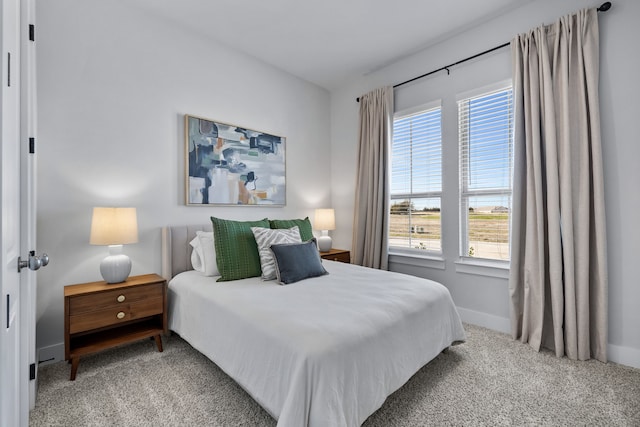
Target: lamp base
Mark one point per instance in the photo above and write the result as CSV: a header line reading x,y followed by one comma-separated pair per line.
x,y
324,242
116,267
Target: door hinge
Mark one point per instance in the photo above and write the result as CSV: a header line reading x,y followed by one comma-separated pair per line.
x,y
32,371
32,32
32,145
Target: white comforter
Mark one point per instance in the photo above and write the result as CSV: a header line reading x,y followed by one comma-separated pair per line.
x,y
323,352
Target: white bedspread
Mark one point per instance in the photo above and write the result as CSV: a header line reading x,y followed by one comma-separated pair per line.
x,y
323,352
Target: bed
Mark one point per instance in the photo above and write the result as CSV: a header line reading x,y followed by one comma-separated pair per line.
x,y
325,351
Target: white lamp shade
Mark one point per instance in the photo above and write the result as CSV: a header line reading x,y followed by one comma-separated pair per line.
x,y
114,226
325,219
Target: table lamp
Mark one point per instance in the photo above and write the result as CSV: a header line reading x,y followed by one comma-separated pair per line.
x,y
325,220
114,227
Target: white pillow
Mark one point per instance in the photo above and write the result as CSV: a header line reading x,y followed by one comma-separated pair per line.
x,y
196,255
203,256
265,237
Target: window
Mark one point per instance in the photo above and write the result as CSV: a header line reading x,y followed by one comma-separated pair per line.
x,y
485,133
416,180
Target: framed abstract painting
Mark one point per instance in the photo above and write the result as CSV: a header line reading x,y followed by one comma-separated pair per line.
x,y
232,165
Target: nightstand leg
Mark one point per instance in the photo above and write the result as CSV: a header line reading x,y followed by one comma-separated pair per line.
x,y
75,361
158,342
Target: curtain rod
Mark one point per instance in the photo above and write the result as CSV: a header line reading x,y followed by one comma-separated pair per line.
x,y
603,8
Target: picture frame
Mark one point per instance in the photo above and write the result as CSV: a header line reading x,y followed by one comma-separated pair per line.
x,y
231,165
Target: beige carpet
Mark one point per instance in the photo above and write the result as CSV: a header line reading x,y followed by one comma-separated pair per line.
x,y
490,380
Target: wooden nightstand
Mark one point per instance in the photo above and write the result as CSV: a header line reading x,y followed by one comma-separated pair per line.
x,y
337,255
99,315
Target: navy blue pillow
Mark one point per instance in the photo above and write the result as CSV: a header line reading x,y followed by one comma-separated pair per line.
x,y
297,261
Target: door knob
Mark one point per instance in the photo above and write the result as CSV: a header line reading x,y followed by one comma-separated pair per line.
x,y
33,262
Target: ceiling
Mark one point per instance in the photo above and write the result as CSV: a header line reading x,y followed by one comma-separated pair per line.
x,y
328,42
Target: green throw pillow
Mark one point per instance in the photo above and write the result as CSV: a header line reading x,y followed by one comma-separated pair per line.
x,y
237,254
306,232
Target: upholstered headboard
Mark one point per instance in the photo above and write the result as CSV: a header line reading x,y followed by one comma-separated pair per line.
x,y
176,250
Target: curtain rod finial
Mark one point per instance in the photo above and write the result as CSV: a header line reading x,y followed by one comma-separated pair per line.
x,y
604,6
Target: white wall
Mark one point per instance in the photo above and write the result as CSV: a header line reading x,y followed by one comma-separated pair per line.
x,y
113,86
484,300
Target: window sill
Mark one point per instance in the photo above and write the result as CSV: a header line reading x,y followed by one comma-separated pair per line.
x,y
483,267
430,261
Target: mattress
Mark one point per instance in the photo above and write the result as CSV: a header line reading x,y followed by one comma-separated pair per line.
x,y
325,351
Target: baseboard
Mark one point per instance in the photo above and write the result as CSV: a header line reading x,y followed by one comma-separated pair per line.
x,y
50,354
489,321
617,354
624,355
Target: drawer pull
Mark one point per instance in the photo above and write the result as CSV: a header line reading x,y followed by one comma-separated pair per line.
x,y
120,315
121,298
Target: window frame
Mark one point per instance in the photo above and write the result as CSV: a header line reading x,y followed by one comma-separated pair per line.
x,y
414,252
466,263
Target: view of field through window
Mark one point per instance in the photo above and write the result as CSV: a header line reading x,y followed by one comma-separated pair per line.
x,y
420,229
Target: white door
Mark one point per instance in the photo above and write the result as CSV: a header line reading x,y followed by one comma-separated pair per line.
x,y
10,232
17,195
28,285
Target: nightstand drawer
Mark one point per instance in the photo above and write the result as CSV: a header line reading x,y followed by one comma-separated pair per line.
x,y
339,255
115,298
113,315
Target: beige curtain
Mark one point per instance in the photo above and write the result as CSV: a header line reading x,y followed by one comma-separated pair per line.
x,y
370,219
558,279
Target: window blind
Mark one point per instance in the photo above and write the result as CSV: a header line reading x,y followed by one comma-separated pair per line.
x,y
485,131
417,153
416,180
